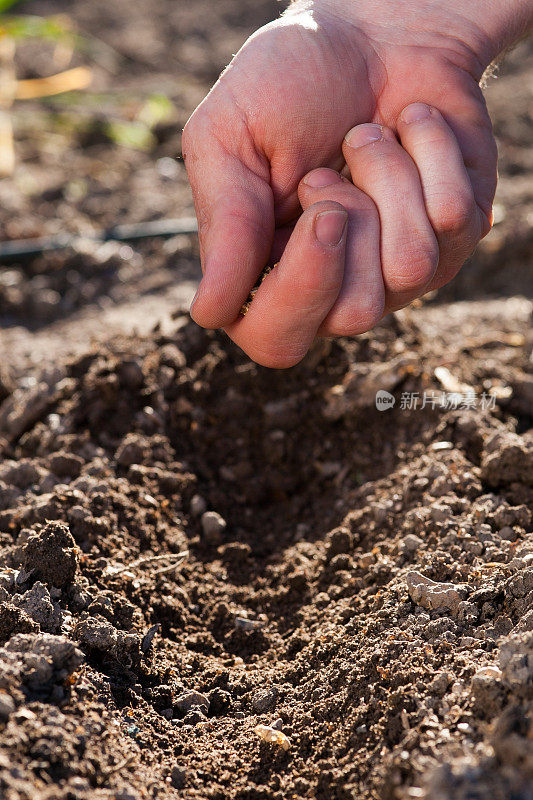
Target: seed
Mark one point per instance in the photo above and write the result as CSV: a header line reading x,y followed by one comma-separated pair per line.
x,y
272,736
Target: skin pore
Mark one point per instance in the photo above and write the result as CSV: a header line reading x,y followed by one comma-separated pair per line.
x,y
350,142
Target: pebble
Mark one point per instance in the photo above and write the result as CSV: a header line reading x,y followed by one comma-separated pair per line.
x,y
66,465
411,543
488,673
273,736
432,595
213,527
191,699
263,700
198,505
7,706
440,683
249,624
178,777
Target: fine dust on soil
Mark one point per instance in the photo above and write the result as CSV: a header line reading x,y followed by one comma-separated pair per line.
x,y
192,545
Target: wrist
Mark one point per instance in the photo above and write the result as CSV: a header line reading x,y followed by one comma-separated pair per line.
x,y
501,23
483,28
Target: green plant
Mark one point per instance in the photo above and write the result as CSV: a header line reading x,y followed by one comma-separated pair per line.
x,y
12,30
5,4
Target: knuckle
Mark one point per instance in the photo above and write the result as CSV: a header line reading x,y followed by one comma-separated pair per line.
x,y
415,268
358,317
386,160
456,215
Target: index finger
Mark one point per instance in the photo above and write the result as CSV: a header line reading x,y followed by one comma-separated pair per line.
x,y
235,209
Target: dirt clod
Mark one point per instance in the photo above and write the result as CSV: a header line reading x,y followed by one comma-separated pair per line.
x,y
51,555
432,595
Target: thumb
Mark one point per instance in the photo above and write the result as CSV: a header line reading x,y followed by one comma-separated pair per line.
x,y
235,209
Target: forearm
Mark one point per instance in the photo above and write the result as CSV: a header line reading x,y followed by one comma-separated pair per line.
x,y
486,27
502,22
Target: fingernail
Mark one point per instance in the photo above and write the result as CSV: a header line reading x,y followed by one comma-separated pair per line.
x,y
321,177
329,227
364,134
415,112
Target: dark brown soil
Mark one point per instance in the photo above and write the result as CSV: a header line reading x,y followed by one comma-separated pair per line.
x,y
191,545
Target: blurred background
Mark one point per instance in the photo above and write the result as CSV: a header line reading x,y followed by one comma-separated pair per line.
x,y
109,154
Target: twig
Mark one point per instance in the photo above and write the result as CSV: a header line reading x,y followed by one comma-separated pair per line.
x,y
176,558
69,81
106,773
26,248
8,85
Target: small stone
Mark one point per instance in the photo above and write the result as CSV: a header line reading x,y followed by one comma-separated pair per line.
x,y
264,700
488,673
66,465
432,595
508,534
411,543
178,777
440,683
272,736
51,554
213,527
246,624
7,706
191,699
198,505
131,451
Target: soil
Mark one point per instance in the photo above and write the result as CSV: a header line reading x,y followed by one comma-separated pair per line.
x,y
192,546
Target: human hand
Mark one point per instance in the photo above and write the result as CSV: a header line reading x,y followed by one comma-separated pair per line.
x,y
421,190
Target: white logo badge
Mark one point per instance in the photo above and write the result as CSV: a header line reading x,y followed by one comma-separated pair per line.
x,y
384,400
